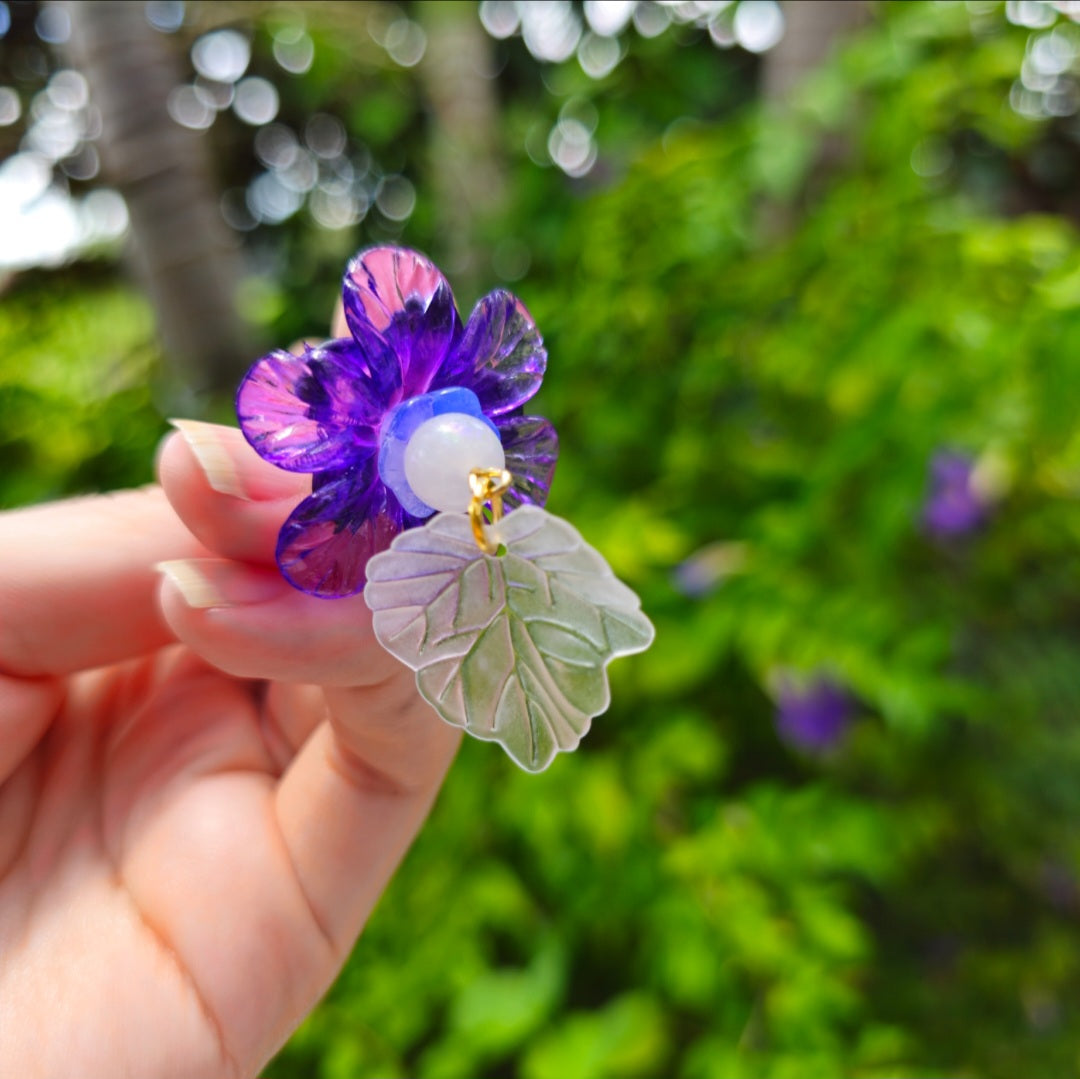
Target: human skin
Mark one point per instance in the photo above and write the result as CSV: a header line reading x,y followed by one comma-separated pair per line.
x,y
206,777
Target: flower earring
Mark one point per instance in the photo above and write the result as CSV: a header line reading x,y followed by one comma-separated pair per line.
x,y
414,432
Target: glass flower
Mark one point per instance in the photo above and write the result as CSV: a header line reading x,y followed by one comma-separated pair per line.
x,y
345,411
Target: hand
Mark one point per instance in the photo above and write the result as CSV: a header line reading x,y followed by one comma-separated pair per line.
x,y
191,834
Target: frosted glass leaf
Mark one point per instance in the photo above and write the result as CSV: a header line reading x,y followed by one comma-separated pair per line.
x,y
513,648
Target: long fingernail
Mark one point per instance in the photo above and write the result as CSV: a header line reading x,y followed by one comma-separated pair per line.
x,y
213,457
206,582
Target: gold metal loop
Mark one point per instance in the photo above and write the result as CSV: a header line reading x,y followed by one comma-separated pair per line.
x,y
487,485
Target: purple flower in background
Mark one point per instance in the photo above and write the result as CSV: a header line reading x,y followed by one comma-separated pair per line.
x,y
708,567
813,716
346,411
954,506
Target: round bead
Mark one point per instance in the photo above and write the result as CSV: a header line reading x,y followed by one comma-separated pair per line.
x,y
442,452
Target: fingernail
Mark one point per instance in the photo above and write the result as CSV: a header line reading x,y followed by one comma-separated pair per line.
x,y
205,582
213,456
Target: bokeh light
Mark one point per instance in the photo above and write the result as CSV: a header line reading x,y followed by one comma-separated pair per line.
x,y
325,135
222,55
188,108
271,200
598,56
165,15
41,225
1031,13
651,19
609,18
405,41
294,49
276,146
500,18
551,29
572,147
10,106
758,24
396,198
53,24
256,101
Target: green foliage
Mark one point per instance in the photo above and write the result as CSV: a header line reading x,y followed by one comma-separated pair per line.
x,y
74,393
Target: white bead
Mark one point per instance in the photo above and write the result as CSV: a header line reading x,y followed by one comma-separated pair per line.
x,y
441,453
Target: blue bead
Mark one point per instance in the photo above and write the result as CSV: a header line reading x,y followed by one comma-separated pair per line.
x,y
402,422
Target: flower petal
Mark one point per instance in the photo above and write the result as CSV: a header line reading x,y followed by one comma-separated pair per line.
x,y
324,546
532,449
381,364
401,297
501,356
311,412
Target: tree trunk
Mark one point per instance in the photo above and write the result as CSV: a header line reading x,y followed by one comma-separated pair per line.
x,y
464,170
181,247
812,29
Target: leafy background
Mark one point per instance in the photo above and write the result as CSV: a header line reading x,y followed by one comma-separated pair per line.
x,y
767,321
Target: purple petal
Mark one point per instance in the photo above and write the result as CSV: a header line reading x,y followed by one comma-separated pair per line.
x,y
381,364
501,357
311,412
532,448
403,299
324,546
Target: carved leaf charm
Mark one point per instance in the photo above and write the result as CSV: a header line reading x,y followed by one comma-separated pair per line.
x,y
514,648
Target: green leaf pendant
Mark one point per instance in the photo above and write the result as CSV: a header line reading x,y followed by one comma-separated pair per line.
x,y
512,647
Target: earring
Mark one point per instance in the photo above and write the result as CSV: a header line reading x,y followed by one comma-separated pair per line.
x,y
413,431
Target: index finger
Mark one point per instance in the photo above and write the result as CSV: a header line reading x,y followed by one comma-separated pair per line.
x,y
77,584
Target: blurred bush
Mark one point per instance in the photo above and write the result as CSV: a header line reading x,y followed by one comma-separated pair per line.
x,y
75,367
815,371
765,343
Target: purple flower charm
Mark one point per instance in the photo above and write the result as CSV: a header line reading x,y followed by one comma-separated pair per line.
x,y
812,716
953,506
390,420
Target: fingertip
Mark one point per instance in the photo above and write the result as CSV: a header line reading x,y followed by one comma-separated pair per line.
x,y
226,462
338,326
204,583
298,348
164,453
249,622
226,495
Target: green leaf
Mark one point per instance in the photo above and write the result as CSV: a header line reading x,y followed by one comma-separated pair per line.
x,y
627,1038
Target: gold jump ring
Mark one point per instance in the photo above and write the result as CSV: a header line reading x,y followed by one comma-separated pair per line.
x,y
487,485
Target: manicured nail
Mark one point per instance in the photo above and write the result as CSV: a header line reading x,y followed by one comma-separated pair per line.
x,y
213,457
208,582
